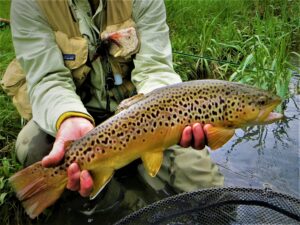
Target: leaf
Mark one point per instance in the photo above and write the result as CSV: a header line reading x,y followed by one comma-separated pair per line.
x,y
2,197
2,182
248,61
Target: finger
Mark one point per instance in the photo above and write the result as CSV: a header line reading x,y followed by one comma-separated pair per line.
x,y
199,137
86,183
73,177
56,155
186,137
205,129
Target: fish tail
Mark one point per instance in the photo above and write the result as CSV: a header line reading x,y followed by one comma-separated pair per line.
x,y
38,187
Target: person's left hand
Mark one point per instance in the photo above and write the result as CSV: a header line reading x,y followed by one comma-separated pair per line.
x,y
194,136
71,129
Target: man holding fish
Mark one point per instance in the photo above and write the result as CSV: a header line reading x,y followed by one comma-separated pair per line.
x,y
81,60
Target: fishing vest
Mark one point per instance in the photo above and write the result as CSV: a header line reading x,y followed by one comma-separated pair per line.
x,y
117,21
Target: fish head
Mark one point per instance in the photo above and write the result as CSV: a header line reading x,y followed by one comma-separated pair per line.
x,y
251,106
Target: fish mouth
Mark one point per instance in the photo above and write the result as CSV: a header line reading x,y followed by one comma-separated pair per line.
x,y
266,114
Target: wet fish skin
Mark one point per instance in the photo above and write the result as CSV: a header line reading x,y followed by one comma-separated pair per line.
x,y
144,128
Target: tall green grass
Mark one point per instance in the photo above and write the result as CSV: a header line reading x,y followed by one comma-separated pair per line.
x,y
250,40
10,123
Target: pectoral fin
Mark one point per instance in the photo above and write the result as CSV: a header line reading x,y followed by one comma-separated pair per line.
x,y
100,179
218,136
152,162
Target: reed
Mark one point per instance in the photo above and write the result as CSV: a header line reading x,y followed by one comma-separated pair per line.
x,y
251,41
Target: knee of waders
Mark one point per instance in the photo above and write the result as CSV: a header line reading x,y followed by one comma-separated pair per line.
x,y
193,169
186,169
32,144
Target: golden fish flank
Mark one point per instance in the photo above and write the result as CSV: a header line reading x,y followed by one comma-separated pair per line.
x,y
144,128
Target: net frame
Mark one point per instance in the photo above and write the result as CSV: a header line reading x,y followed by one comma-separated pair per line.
x,y
226,205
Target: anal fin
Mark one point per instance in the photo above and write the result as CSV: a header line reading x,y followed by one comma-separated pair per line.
x,y
100,179
152,161
218,136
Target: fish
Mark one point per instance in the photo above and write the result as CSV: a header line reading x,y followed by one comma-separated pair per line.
x,y
143,127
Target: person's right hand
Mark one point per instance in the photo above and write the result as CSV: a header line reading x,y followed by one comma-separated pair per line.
x,y
194,136
71,129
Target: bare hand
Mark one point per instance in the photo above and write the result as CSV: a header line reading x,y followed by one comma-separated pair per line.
x,y
194,136
71,129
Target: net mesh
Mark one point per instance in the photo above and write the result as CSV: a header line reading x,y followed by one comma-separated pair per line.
x,y
220,206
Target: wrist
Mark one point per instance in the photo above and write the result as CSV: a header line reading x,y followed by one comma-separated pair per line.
x,y
67,115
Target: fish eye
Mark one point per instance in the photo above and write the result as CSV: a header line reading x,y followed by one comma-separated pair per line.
x,y
262,100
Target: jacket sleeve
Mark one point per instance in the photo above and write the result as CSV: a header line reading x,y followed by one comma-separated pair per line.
x,y
50,85
153,63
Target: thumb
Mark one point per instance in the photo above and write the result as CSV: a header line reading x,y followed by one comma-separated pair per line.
x,y
56,155
71,129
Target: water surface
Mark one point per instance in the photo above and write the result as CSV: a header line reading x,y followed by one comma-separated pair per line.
x,y
266,155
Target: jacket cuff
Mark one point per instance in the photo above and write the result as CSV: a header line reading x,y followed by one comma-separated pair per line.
x,y
66,115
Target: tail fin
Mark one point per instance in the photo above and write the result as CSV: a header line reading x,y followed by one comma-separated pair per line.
x,y
38,187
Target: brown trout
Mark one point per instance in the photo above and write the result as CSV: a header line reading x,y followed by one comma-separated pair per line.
x,y
143,128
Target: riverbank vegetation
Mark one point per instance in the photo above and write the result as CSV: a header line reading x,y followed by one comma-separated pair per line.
x,y
246,41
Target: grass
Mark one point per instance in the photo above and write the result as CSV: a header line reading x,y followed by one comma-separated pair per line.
x,y
10,123
249,41
252,41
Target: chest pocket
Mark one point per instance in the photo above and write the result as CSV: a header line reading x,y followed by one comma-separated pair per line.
x,y
75,55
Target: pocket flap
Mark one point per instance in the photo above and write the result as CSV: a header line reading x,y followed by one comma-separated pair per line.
x,y
75,49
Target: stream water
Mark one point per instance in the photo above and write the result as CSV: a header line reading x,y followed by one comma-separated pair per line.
x,y
266,155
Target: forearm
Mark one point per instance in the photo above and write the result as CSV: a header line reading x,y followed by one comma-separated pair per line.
x,y
153,63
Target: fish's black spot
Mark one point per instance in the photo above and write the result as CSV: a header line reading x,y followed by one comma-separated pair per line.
x,y
87,150
105,141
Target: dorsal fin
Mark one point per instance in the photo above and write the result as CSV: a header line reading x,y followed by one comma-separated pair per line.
x,y
129,101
